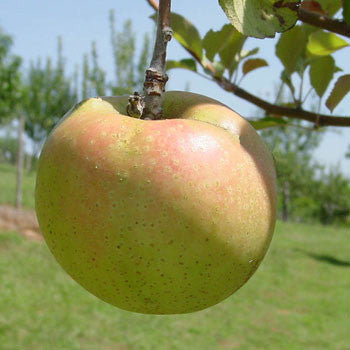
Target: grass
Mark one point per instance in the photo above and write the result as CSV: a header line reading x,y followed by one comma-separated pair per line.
x,y
298,299
8,186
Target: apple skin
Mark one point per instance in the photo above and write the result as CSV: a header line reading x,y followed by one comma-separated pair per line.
x,y
157,217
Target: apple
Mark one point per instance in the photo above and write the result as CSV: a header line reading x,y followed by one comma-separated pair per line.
x,y
157,216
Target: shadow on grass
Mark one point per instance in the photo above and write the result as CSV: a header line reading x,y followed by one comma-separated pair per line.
x,y
326,258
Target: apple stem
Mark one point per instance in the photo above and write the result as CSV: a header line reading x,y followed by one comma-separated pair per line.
x,y
156,78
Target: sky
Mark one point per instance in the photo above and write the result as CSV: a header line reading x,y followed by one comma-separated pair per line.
x,y
36,24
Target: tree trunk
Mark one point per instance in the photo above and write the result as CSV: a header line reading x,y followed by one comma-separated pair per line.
x,y
285,200
20,156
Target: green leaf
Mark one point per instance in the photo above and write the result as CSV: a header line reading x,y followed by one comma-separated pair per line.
x,y
258,18
324,43
187,63
290,48
341,88
321,73
267,122
214,41
252,64
246,53
331,7
346,11
186,34
229,54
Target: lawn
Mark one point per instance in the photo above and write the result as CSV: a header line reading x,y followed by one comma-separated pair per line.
x,y
8,186
298,299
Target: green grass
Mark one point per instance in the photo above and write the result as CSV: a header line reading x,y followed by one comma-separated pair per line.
x,y
298,299
8,186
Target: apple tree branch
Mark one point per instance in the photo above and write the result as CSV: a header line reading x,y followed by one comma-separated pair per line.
x,y
277,110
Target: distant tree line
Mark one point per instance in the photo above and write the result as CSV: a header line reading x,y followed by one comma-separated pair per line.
x,y
307,190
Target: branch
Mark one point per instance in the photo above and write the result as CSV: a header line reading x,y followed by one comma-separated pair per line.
x,y
156,78
297,113
324,22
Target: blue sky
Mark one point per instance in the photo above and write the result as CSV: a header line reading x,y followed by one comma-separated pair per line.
x,y
36,24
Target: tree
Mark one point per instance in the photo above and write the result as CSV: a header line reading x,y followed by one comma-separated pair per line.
x,y
8,149
10,78
305,50
292,147
129,75
129,71
47,96
333,195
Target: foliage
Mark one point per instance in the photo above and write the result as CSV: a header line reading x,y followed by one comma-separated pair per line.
x,y
259,19
47,95
10,78
307,191
306,50
129,71
129,75
8,149
333,195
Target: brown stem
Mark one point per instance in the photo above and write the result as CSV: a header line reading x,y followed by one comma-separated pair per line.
x,y
156,78
297,113
324,22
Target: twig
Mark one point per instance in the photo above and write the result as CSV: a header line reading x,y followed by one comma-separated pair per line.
x,y
296,113
156,78
324,22
316,19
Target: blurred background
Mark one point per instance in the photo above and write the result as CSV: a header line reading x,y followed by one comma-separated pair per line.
x,y
54,54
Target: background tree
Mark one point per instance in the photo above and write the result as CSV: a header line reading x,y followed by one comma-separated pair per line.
x,y
292,147
10,78
129,73
129,69
47,96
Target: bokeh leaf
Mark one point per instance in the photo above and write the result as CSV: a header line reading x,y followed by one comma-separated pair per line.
x,y
288,81
341,88
331,7
214,41
323,43
267,122
312,5
346,11
187,63
186,34
229,54
252,64
258,18
290,48
247,53
322,70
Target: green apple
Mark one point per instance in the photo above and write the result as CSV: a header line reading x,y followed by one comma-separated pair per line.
x,y
158,217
